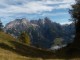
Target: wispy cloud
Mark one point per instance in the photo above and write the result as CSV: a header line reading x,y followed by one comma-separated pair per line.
x,y
13,7
25,6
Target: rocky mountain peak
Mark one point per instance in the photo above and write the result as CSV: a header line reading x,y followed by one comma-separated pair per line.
x,y
20,23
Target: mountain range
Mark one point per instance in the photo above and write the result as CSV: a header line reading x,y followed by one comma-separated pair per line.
x,y
42,32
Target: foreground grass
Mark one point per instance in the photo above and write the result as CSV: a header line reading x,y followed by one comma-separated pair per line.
x,y
8,55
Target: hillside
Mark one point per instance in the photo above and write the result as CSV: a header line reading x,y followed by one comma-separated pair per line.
x,y
11,49
7,51
5,38
8,55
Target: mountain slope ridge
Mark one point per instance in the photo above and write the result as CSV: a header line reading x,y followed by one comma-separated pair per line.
x,y
42,32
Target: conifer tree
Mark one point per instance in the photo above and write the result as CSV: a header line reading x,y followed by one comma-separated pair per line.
x,y
1,26
75,14
24,38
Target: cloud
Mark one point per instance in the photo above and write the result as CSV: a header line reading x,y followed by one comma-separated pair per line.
x,y
67,22
58,1
26,6
59,4
12,8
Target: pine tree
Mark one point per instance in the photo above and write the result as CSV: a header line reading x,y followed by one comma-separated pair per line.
x,y
75,14
1,26
24,38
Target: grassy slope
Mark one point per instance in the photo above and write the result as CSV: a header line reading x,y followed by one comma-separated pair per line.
x,y
12,50
5,38
6,54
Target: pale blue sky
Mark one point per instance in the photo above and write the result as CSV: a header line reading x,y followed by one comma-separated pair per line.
x,y
56,10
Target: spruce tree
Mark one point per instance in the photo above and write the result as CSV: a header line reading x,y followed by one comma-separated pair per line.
x,y
1,26
75,14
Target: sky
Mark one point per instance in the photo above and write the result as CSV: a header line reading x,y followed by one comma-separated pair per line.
x,y
56,10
